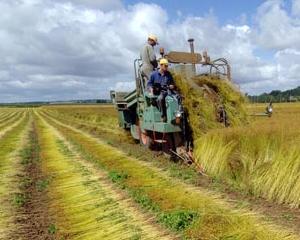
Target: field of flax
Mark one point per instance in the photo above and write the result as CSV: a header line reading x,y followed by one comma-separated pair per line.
x,y
261,158
62,177
49,191
194,214
14,124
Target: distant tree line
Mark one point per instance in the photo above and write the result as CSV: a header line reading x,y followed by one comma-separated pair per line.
x,y
292,95
38,104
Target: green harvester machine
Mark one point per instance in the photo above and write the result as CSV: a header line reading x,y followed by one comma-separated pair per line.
x,y
138,111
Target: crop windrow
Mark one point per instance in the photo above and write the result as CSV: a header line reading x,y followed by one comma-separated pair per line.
x,y
215,151
107,131
82,204
10,144
193,214
262,160
4,117
11,122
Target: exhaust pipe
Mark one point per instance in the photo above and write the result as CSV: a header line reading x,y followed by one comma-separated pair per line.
x,y
191,41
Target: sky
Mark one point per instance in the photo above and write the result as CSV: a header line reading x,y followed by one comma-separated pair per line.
x,y
81,49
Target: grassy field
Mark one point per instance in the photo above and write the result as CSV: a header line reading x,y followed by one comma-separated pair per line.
x,y
69,172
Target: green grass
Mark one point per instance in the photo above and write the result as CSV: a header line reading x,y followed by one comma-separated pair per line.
x,y
19,199
42,184
52,229
178,220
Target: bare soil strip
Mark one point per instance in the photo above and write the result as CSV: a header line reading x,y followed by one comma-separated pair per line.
x,y
32,218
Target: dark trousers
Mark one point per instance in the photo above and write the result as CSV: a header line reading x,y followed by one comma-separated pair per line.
x,y
161,103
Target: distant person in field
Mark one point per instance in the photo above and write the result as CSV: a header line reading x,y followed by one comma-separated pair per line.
x,y
149,62
160,83
269,109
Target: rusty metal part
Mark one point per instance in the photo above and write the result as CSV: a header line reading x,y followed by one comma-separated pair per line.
x,y
177,120
188,158
220,66
191,41
184,57
192,48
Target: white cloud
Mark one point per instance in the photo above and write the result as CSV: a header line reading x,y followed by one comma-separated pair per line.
x,y
121,86
288,67
276,28
103,5
279,31
74,49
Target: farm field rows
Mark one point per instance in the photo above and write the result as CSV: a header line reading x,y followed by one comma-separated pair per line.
x,y
248,158
69,172
41,199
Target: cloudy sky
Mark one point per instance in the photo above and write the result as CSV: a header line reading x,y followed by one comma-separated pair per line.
x,y
61,49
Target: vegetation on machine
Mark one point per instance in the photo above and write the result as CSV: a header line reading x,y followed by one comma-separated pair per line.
x,y
212,103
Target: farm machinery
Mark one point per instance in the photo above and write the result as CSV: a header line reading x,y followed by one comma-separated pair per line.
x,y
138,111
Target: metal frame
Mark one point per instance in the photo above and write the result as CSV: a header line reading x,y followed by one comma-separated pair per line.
x,y
138,76
221,63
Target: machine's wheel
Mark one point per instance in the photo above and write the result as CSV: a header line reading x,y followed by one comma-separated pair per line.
x,y
146,140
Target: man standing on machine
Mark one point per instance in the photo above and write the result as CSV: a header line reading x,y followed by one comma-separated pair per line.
x,y
149,62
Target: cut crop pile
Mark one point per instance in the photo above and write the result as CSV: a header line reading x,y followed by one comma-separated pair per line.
x,y
255,158
203,95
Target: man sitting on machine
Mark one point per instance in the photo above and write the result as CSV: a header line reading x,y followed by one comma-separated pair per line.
x,y
160,82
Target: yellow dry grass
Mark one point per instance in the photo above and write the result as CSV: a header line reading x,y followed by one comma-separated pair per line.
x,y
259,155
216,219
9,147
262,158
202,97
84,207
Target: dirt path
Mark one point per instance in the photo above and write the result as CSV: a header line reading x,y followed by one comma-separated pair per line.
x,y
85,204
32,219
